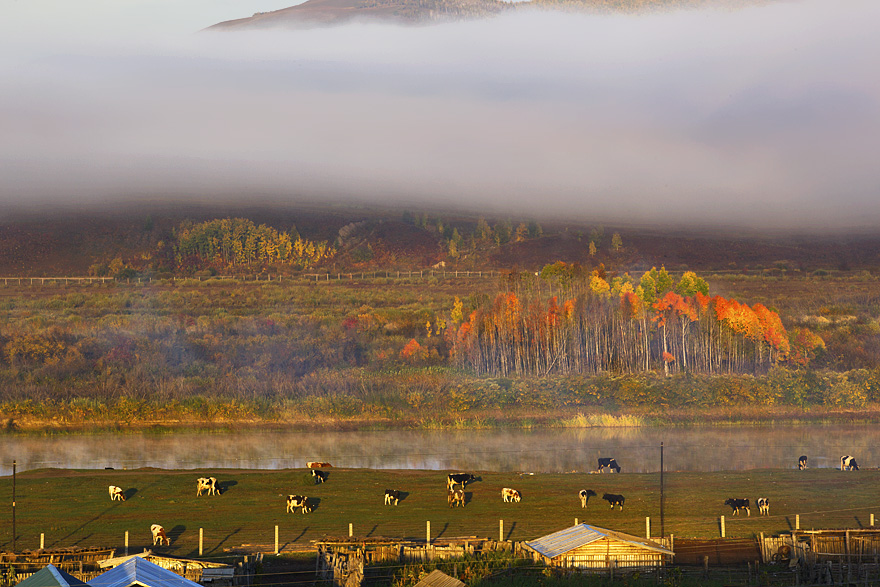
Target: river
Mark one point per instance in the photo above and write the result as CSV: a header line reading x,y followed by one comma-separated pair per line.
x,y
530,450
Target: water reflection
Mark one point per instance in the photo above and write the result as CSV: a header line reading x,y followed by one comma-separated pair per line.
x,y
546,450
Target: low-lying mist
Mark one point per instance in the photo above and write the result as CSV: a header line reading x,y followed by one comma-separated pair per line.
x,y
765,117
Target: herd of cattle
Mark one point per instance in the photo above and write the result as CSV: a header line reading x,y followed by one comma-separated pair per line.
x,y
455,486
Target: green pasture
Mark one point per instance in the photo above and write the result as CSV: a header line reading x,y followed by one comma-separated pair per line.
x,y
73,508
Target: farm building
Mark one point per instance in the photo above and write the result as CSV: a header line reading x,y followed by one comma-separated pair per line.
x,y
200,571
52,576
591,548
142,573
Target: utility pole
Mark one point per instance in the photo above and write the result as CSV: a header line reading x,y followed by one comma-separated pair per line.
x,y
662,497
13,507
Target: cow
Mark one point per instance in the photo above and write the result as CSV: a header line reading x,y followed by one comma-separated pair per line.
x,y
608,464
298,501
116,493
318,465
458,479
848,463
208,484
763,506
614,500
159,536
455,497
802,462
510,495
320,476
392,495
585,495
738,504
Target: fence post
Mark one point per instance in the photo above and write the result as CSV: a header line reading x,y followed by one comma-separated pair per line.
x,y
648,527
575,521
42,541
500,530
126,543
723,531
872,519
350,529
276,540
201,540
428,532
797,521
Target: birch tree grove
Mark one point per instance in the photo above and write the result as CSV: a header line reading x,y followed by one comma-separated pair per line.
x,y
602,327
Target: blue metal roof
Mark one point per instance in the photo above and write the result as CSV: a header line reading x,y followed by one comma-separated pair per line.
x,y
563,541
137,571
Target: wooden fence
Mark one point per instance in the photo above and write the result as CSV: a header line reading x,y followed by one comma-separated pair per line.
x,y
307,277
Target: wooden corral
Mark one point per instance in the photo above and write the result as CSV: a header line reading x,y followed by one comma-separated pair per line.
x,y
590,548
716,551
344,563
82,563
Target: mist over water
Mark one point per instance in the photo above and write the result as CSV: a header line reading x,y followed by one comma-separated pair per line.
x,y
637,450
767,116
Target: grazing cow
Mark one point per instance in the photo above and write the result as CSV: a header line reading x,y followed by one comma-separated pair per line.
x,y
802,462
116,493
318,465
455,497
392,495
159,536
585,495
320,476
208,484
458,478
848,463
614,500
510,495
763,506
738,504
298,501
608,464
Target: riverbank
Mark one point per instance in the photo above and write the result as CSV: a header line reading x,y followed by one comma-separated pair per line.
x,y
157,417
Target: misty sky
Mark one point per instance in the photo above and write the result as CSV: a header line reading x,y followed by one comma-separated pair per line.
x,y
768,116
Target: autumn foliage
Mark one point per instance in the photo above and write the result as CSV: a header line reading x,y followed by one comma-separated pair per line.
x,y
615,327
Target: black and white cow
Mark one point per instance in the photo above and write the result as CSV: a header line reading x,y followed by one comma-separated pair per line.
x,y
585,495
298,501
608,464
456,497
462,479
510,495
208,484
848,463
319,476
614,500
392,495
763,506
802,463
738,504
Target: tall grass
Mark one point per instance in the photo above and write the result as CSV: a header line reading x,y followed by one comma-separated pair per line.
x,y
603,421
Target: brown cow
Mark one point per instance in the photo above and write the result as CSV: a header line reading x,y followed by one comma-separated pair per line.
x,y
159,536
318,465
116,493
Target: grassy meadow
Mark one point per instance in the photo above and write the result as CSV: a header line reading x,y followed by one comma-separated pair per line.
x,y
72,508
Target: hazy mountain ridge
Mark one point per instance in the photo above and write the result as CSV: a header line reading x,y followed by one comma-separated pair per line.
x,y
332,12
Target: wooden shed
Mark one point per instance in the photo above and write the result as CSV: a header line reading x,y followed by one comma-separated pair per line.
x,y
591,548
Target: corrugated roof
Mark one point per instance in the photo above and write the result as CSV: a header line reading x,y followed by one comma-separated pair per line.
x,y
438,578
563,541
52,576
138,571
